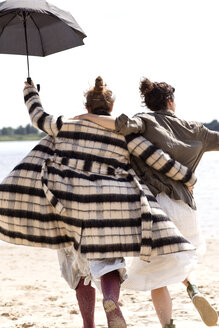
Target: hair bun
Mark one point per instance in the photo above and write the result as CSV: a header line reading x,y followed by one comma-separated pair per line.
x,y
146,86
99,86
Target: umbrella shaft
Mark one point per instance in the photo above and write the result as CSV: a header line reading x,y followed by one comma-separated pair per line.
x,y
26,42
28,68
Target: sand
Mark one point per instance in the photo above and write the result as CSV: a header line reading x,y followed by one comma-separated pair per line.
x,y
33,294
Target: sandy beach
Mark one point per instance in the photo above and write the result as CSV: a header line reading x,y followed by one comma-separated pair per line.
x,y
33,294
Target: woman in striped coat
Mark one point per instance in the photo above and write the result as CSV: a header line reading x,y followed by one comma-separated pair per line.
x,y
76,188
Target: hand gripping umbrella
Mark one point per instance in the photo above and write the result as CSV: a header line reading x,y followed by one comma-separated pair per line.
x,y
36,28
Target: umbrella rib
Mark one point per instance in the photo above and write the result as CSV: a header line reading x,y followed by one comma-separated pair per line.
x,y
39,35
7,24
4,14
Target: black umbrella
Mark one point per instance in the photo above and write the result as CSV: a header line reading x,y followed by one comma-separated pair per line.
x,y
36,28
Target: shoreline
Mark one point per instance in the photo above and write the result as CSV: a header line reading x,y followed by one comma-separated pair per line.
x,y
20,138
33,294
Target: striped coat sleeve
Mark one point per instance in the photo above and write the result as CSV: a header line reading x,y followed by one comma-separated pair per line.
x,y
160,161
40,119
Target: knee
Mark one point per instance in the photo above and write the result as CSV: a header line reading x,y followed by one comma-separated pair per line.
x,y
161,290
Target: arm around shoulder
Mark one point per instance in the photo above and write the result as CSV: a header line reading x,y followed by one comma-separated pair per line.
x,y
125,125
158,160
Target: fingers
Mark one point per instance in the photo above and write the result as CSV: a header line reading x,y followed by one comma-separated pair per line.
x,y
74,118
191,189
78,117
29,85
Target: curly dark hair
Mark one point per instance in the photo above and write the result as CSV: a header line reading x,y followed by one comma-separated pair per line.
x,y
156,94
99,97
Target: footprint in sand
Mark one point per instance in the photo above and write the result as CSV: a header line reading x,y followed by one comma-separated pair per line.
x,y
74,311
7,304
5,314
62,305
7,279
12,316
52,298
29,287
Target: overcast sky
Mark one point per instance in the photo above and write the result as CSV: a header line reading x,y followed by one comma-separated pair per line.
x,y
175,41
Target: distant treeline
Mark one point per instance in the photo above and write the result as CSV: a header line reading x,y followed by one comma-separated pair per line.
x,y
30,130
20,131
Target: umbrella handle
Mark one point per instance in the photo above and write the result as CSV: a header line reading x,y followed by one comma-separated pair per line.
x,y
29,82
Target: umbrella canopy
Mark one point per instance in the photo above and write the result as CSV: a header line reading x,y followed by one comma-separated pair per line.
x,y
49,29
37,28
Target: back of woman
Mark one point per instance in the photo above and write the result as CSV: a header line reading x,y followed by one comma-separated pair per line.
x,y
186,141
74,184
86,141
77,188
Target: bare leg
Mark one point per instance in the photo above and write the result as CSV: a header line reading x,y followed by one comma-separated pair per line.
x,y
163,305
86,300
110,284
186,282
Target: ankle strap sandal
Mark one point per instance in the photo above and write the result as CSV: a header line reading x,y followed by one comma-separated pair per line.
x,y
208,314
170,325
192,290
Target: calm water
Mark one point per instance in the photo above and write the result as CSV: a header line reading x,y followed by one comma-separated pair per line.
x,y
206,191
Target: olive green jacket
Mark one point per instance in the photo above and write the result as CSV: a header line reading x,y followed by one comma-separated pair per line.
x,y
183,140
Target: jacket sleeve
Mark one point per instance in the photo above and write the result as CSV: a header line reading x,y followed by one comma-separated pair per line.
x,y
160,161
125,125
40,119
210,138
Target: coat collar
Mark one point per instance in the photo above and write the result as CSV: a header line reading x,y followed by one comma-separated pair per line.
x,y
166,112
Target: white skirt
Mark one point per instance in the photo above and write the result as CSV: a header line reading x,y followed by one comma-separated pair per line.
x,y
161,271
74,266
168,269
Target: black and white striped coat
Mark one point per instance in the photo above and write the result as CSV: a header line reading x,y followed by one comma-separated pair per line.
x,y
76,187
